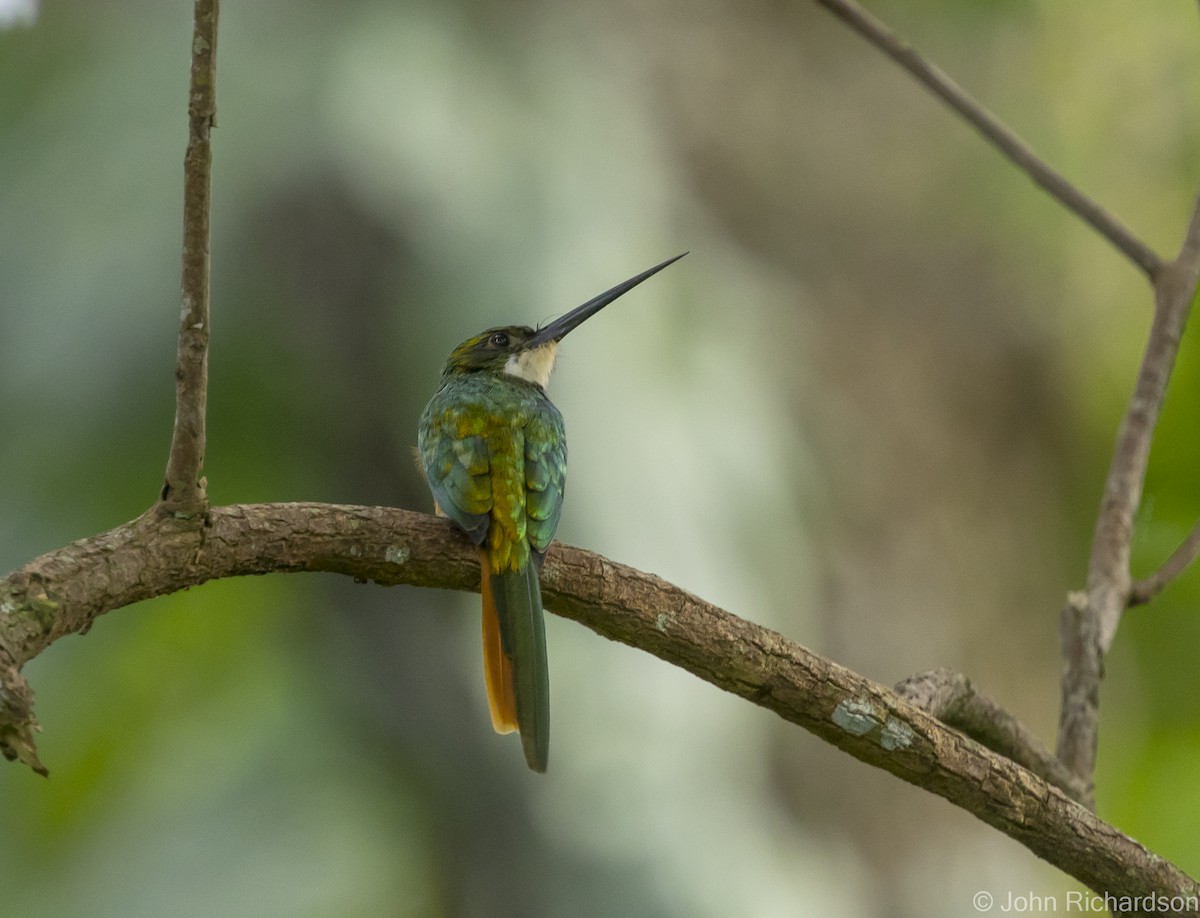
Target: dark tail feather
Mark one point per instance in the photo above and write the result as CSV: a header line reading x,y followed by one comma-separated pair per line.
x,y
518,599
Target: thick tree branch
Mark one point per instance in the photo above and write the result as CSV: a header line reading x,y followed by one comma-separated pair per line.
x,y
184,490
951,698
996,133
1089,621
64,591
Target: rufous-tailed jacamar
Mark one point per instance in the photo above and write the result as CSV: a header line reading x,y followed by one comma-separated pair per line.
x,y
493,449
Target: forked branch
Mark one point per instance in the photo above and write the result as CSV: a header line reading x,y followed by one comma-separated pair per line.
x,y
951,698
1090,619
64,591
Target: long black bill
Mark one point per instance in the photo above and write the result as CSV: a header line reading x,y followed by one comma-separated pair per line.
x,y
557,330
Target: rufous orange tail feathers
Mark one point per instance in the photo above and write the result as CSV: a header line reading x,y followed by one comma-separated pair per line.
x,y
497,668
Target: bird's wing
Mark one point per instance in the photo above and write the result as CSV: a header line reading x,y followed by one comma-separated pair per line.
x,y
545,476
458,469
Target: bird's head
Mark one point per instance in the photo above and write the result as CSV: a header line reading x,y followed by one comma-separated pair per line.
x,y
506,349
529,353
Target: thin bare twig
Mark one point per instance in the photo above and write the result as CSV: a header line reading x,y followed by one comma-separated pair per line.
x,y
996,132
951,698
1175,292
184,492
1108,568
1181,559
65,590
1090,621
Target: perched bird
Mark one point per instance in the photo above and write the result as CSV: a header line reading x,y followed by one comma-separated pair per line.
x,y
492,447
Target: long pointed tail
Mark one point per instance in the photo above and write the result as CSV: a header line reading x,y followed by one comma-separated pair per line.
x,y
497,668
515,665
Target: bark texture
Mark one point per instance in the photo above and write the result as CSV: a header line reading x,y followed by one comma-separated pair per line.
x,y
65,590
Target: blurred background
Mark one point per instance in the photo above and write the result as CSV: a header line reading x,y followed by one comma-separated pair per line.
x,y
872,409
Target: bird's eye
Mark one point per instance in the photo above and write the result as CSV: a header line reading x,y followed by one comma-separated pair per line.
x,y
499,340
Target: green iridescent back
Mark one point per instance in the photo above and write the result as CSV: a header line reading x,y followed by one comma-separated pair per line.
x,y
495,453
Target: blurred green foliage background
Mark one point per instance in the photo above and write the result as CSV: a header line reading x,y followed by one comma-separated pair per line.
x,y
873,409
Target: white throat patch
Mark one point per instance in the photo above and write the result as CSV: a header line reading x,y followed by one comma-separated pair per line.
x,y
534,366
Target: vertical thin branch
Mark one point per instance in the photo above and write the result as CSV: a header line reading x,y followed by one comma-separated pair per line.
x,y
1090,622
1108,569
184,491
1079,710
996,133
